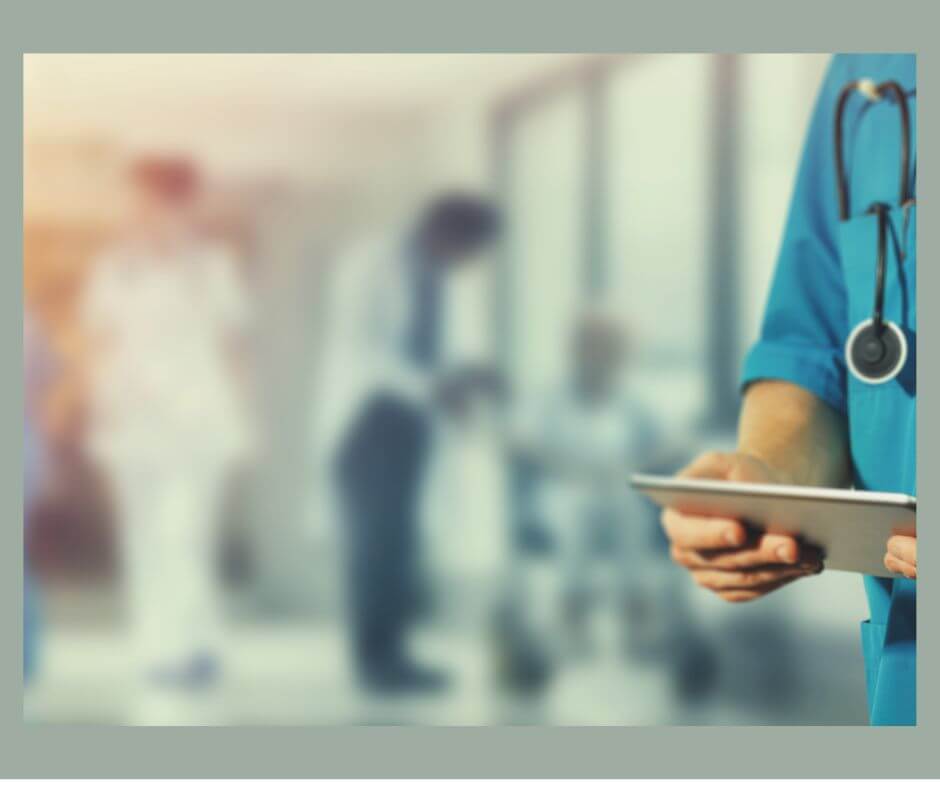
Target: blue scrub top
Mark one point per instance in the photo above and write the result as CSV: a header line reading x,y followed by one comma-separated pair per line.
x,y
824,286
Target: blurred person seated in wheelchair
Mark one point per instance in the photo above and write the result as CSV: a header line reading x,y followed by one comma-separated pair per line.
x,y
592,553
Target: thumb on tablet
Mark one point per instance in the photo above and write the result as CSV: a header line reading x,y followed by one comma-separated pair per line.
x,y
747,468
710,465
728,466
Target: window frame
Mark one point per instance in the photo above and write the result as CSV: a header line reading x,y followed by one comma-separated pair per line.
x,y
590,81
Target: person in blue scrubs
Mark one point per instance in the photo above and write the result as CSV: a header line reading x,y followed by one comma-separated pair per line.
x,y
38,369
806,417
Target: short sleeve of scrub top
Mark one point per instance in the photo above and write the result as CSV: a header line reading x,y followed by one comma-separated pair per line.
x,y
805,319
822,286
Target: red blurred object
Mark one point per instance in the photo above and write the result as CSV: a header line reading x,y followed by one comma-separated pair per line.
x,y
171,178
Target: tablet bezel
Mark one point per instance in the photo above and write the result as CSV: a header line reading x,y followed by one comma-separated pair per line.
x,y
641,481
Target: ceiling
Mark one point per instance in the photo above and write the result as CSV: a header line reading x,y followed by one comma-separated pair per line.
x,y
310,112
269,79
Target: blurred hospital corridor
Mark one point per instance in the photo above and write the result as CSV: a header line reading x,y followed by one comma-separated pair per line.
x,y
337,365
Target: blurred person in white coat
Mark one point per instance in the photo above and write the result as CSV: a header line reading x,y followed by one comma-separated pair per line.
x,y
382,384
164,312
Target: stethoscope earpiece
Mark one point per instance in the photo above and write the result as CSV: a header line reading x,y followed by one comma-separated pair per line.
x,y
873,355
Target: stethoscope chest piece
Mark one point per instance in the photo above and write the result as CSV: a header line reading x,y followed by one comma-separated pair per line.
x,y
876,354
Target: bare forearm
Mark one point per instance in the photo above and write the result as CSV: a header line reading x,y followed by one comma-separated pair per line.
x,y
798,435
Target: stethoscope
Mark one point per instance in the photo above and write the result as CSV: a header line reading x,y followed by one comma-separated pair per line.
x,y
876,349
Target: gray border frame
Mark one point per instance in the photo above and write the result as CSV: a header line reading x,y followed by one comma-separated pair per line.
x,y
481,25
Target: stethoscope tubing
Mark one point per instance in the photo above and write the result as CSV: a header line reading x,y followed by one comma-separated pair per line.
x,y
873,93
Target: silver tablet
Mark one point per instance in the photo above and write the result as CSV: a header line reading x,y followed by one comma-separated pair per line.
x,y
851,527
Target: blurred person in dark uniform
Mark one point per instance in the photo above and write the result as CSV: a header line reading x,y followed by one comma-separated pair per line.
x,y
385,381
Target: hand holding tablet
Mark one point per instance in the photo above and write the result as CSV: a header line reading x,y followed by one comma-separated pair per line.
x,y
742,534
